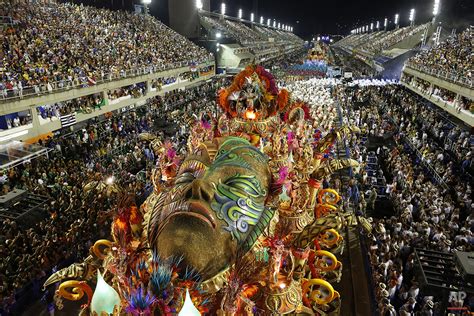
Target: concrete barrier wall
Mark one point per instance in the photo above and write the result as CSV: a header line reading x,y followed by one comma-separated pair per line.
x,y
36,130
451,86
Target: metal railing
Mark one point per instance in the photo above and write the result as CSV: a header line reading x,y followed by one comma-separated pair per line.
x,y
8,95
439,179
450,76
431,97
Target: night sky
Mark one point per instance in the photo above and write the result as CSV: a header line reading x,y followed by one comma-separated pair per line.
x,y
327,17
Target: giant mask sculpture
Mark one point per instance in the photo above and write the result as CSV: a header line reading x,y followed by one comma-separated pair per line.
x,y
240,224
216,207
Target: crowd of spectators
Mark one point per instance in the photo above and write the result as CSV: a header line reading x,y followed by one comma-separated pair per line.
x,y
59,45
18,119
431,212
448,97
84,104
74,218
135,90
392,38
452,57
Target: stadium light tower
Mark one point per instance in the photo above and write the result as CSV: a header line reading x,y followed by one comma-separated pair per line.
x,y
412,17
199,4
385,24
436,5
240,14
223,8
397,16
252,17
145,4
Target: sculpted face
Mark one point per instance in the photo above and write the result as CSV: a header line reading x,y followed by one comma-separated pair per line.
x,y
215,208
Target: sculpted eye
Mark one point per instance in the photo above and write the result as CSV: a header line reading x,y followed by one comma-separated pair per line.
x,y
185,177
248,184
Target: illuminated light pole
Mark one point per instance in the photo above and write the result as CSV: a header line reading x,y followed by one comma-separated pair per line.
x,y
240,14
397,16
377,25
268,22
223,8
261,20
252,17
385,24
371,26
367,28
145,4
279,25
274,23
412,17
436,6
199,4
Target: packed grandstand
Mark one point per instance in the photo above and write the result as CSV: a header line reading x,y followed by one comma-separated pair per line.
x,y
103,107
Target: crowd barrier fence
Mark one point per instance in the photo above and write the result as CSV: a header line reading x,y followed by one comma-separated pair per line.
x,y
450,76
8,95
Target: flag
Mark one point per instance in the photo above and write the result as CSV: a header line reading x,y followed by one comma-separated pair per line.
x,y
91,81
68,120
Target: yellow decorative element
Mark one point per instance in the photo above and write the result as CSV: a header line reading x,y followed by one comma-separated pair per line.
x,y
331,237
75,290
323,294
188,308
101,248
328,196
324,209
321,263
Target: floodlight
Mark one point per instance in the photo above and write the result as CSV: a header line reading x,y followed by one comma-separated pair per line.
x,y
436,7
261,19
199,4
223,8
396,18
252,17
240,13
412,15
385,22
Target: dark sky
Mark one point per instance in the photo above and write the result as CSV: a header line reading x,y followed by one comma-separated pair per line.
x,y
330,16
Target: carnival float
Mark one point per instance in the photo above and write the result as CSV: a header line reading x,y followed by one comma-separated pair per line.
x,y
239,226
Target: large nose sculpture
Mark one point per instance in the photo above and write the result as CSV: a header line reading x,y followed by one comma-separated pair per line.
x,y
199,190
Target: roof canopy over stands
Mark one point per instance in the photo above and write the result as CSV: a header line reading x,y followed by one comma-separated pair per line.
x,y
16,153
